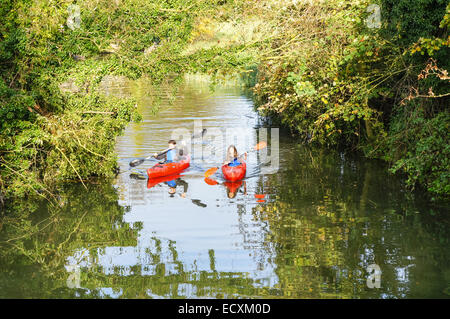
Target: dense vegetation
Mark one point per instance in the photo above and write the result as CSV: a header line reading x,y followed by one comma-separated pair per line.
x,y
48,134
325,69
384,91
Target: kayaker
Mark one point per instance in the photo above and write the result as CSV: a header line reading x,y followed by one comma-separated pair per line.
x,y
232,158
171,155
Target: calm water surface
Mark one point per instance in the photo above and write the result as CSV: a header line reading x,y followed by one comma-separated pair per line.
x,y
308,231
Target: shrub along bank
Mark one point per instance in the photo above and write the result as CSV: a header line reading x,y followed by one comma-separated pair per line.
x,y
49,135
369,78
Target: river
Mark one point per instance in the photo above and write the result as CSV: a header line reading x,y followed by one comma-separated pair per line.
x,y
312,223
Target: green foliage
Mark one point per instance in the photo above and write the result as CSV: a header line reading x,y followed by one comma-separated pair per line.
x,y
320,89
420,147
405,21
48,136
340,81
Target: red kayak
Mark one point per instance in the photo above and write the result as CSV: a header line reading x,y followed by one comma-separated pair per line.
x,y
160,170
234,173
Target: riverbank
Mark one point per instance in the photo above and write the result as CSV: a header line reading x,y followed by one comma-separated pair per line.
x,y
371,78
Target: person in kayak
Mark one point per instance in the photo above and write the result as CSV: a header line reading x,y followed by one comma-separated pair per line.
x,y
171,155
232,157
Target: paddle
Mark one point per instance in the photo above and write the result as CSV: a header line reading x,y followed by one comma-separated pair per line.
x,y
137,162
257,147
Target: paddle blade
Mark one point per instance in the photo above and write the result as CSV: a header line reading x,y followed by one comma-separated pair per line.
x,y
260,146
136,162
210,181
211,171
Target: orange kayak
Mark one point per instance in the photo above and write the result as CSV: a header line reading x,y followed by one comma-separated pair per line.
x,y
160,170
234,173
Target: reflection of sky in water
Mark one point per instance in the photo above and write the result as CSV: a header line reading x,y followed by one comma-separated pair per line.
x,y
238,242
224,230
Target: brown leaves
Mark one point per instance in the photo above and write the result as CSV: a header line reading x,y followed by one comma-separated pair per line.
x,y
431,69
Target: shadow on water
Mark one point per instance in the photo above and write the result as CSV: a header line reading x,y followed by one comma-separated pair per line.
x,y
308,231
